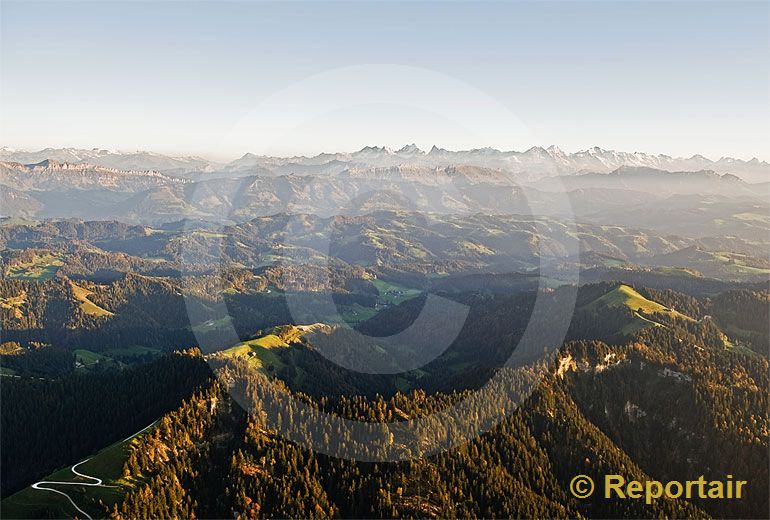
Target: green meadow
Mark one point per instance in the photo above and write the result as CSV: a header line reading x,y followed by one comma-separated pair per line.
x,y
41,268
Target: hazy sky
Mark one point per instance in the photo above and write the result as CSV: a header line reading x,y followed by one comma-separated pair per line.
x,y
220,79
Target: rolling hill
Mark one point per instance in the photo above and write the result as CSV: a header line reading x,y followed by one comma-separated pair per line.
x,y
643,311
264,351
626,296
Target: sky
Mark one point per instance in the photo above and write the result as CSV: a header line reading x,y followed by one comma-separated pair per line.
x,y
221,79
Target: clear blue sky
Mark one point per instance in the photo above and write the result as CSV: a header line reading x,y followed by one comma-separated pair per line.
x,y
176,77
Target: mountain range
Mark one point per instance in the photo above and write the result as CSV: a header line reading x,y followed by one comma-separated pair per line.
x,y
693,204
533,163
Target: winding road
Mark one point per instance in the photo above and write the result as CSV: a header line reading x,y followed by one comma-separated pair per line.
x,y
97,482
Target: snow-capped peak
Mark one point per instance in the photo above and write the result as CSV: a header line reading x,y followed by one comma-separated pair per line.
x,y
410,149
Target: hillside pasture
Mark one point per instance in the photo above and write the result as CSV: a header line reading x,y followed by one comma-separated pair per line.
x,y
87,306
106,465
40,268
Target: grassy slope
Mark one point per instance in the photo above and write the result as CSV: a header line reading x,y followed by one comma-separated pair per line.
x,y
270,351
15,304
739,263
81,294
42,268
87,357
625,296
392,293
214,324
89,360
112,358
107,465
13,301
131,351
261,352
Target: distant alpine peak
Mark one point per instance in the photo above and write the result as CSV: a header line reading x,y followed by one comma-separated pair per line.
x,y
555,151
537,150
436,150
595,150
410,149
369,149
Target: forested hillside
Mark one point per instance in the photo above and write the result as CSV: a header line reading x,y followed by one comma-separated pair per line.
x,y
588,416
647,386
